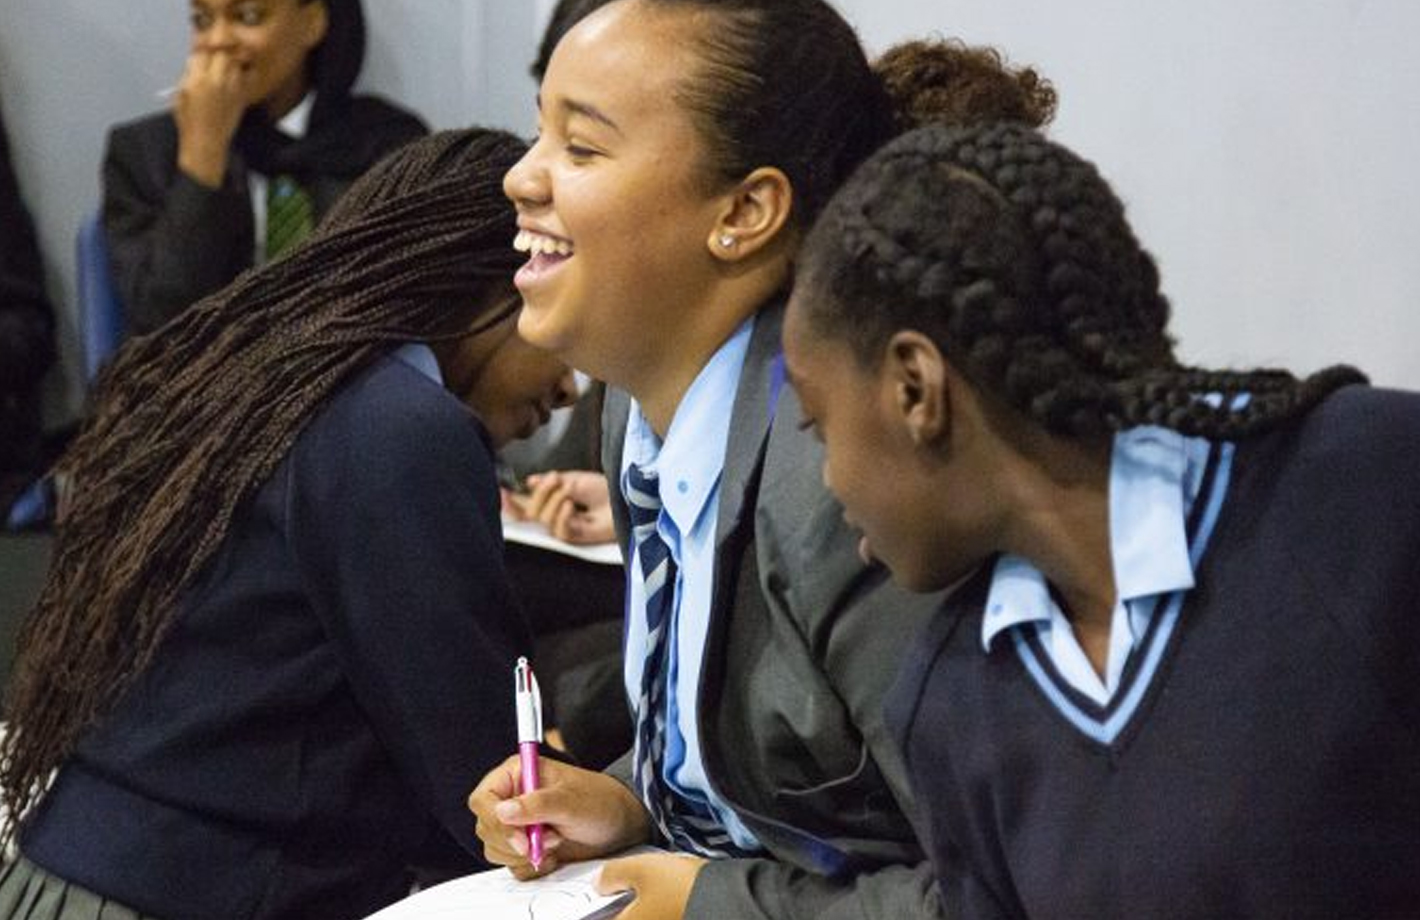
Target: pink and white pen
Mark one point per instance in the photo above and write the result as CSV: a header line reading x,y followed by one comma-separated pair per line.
x,y
529,702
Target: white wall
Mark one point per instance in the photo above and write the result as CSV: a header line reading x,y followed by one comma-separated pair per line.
x,y
1267,151
1266,148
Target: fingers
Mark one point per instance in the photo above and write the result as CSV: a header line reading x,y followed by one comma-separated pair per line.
x,y
619,875
588,489
502,845
545,491
557,802
662,883
593,526
513,506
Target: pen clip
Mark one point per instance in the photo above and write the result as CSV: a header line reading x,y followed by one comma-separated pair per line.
x,y
528,699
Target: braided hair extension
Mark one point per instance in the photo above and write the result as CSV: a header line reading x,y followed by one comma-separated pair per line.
x,y
188,422
1015,256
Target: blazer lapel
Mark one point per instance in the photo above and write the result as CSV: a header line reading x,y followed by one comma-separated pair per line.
x,y
760,381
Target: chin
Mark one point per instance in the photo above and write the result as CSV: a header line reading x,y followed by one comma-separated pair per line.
x,y
536,329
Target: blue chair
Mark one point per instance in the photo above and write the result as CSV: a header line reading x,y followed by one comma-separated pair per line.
x,y
101,329
102,326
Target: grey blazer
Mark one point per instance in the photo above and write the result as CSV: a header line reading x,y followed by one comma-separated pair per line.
x,y
804,643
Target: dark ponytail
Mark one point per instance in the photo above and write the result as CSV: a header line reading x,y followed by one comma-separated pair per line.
x,y
1014,255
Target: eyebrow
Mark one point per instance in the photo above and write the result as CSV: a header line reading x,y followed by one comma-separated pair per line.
x,y
586,110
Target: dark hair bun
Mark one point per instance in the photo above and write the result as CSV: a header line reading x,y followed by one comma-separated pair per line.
x,y
946,80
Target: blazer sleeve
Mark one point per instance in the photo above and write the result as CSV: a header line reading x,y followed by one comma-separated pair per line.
x,y
399,537
765,889
171,240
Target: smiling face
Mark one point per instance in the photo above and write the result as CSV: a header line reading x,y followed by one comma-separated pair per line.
x,y
269,39
510,385
613,202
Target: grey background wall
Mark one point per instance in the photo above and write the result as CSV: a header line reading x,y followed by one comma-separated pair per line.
x,y
1266,149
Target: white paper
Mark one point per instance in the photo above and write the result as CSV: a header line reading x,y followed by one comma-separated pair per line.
x,y
533,533
566,894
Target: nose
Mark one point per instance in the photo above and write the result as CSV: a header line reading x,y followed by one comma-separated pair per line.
x,y
525,183
219,36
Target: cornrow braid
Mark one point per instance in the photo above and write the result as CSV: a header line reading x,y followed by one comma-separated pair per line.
x,y
188,422
1015,256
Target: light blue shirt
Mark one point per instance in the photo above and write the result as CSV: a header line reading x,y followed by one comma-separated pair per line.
x,y
688,466
420,357
1154,478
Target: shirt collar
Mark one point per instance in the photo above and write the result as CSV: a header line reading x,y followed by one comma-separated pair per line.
x,y
297,122
1154,476
694,448
420,357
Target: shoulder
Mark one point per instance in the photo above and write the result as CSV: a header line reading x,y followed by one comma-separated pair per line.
x,y
1363,439
1368,416
143,150
390,425
156,129
393,122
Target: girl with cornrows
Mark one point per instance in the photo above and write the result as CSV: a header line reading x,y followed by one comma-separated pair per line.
x,y
273,652
685,147
1176,678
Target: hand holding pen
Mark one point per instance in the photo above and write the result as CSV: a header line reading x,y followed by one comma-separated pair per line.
x,y
528,700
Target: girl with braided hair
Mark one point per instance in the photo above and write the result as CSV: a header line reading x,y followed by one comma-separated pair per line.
x,y
1175,677
272,655
684,148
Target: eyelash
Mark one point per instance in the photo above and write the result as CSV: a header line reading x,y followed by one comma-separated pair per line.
x,y
580,153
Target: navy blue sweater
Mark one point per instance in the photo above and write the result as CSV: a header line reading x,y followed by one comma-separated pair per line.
x,y
1262,755
330,692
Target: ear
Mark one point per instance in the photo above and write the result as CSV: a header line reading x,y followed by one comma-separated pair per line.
x,y
753,215
315,22
918,382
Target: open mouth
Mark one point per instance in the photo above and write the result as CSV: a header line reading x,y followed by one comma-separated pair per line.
x,y
546,253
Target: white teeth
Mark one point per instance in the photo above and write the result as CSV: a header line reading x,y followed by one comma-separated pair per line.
x,y
537,244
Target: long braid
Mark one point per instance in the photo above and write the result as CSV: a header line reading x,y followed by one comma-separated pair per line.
x,y
1016,257
188,422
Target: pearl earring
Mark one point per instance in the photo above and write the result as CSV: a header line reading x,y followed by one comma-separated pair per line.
x,y
726,241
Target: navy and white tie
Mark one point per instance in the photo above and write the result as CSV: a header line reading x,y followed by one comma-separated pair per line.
x,y
690,826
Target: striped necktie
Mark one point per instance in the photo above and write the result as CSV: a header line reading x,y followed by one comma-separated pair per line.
x,y
290,215
690,826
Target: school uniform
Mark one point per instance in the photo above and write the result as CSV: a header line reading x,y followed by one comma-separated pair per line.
x,y
801,643
173,241
330,690
1258,752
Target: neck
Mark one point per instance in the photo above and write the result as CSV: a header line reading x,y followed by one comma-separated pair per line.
x,y
280,103
660,384
1060,492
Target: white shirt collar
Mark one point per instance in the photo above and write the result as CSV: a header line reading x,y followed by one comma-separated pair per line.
x,y
297,122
